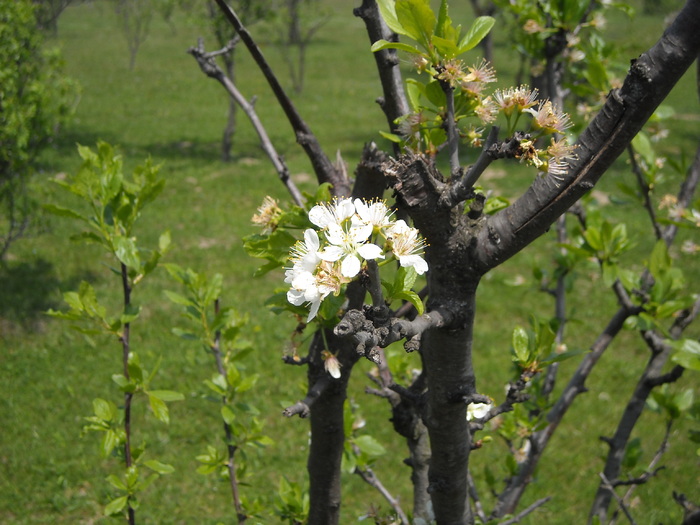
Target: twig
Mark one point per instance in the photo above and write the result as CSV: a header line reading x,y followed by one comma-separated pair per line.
x,y
606,483
462,188
303,408
231,463
651,470
368,475
128,396
646,192
474,495
528,510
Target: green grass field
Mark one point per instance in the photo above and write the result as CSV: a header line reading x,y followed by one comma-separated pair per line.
x,y
167,109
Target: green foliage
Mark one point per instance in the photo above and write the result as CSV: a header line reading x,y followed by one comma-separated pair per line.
x,y
536,348
220,332
360,450
115,203
437,37
36,99
293,504
401,289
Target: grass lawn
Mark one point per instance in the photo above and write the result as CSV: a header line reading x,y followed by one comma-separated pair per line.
x,y
167,109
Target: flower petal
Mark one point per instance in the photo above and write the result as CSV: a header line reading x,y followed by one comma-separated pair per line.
x,y
350,266
296,297
344,209
321,216
331,253
370,251
416,261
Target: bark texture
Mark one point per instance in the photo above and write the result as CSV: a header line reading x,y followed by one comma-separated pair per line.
x,y
627,109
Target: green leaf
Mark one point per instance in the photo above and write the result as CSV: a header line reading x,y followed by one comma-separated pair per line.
x,y
659,261
405,278
160,468
188,336
417,19
228,415
127,385
167,395
116,482
90,237
478,30
642,145
116,506
443,22
447,48
64,212
387,9
396,139
385,44
134,367
369,446
130,314
179,299
412,298
126,251
109,442
160,409
520,342
164,241
687,354
104,409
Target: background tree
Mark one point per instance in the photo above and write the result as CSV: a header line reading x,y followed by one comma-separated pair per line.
x,y
225,37
135,19
36,98
301,19
48,12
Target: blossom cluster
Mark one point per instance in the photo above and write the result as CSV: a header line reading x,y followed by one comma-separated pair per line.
x,y
346,233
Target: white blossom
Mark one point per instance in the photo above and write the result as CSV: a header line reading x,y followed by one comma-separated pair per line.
x,y
407,246
332,255
376,213
477,410
325,214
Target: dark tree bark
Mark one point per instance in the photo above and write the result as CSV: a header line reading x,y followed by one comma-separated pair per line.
x,y
459,252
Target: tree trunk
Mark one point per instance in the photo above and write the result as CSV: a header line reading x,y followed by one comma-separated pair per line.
x,y
327,440
448,360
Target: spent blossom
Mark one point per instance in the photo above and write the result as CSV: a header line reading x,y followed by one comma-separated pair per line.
x,y
513,100
268,214
331,364
549,119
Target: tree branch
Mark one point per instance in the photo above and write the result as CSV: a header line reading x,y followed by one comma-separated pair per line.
x,y
463,187
606,483
323,167
393,102
537,504
208,65
303,408
369,477
648,82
